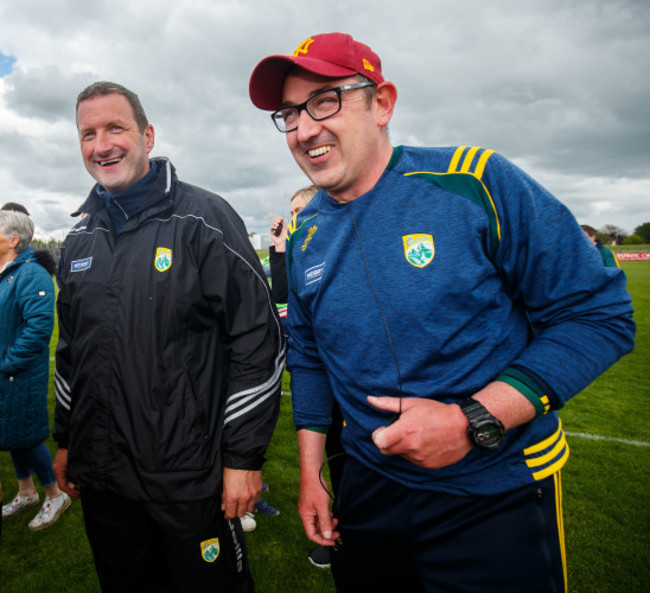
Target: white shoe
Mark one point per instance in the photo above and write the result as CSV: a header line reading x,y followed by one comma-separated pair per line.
x,y
20,503
248,523
51,510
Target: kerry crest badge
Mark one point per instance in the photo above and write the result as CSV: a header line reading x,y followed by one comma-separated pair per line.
x,y
210,549
418,249
163,260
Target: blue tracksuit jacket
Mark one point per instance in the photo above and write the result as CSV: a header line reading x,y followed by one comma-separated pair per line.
x,y
473,272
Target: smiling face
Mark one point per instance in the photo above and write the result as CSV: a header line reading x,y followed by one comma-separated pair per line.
x,y
347,153
114,150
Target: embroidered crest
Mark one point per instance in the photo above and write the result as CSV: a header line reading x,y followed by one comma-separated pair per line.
x,y
210,549
79,265
163,260
418,249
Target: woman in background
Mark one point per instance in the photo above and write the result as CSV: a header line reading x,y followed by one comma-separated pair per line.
x,y
26,324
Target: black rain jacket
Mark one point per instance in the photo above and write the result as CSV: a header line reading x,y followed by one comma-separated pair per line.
x,y
170,354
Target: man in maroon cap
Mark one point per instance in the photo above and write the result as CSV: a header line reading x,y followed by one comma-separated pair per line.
x,y
454,341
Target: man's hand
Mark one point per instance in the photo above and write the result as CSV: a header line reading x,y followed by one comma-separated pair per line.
x,y
241,490
314,510
428,433
314,501
434,435
60,467
279,241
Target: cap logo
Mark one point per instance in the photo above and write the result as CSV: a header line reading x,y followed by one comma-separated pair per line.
x,y
367,65
303,48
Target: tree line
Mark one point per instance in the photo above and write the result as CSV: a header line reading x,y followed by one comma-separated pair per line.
x,y
613,235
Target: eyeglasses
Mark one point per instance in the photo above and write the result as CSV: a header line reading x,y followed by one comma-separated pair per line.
x,y
320,106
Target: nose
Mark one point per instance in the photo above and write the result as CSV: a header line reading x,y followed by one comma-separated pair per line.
x,y
103,143
308,127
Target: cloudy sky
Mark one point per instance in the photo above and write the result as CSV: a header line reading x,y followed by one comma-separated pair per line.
x,y
561,87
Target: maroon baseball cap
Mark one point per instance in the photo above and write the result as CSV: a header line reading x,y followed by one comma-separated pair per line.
x,y
331,54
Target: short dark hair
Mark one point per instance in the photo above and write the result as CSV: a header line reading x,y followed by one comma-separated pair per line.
x,y
103,88
15,207
591,231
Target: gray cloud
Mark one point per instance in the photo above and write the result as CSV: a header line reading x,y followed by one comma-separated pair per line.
x,y
559,87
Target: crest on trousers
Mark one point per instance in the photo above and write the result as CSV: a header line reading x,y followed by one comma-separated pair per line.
x,y
210,549
163,259
418,249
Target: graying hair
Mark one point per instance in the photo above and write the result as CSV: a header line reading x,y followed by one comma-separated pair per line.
x,y
17,224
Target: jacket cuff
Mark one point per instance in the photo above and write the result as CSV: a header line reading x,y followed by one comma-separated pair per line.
x,y
236,462
528,387
61,441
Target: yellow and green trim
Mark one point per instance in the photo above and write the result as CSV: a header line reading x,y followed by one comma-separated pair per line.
x,y
293,235
528,388
463,177
548,456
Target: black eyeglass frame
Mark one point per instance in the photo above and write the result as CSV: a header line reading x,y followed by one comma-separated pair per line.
x,y
276,115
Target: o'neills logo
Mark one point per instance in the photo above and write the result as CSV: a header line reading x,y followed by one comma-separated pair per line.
x,y
303,48
418,249
310,234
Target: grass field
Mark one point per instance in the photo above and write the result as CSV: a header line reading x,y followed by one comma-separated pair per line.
x,y
607,517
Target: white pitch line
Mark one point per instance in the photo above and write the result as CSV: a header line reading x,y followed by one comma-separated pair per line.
x,y
580,435
597,437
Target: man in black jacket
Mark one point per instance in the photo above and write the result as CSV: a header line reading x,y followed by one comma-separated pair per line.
x,y
168,367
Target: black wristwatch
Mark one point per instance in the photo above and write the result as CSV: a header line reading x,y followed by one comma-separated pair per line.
x,y
484,431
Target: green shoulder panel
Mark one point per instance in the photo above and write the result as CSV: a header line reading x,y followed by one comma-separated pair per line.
x,y
293,237
463,177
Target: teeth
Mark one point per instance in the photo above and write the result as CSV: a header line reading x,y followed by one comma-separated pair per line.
x,y
319,151
111,162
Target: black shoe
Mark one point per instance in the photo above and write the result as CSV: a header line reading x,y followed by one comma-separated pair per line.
x,y
320,556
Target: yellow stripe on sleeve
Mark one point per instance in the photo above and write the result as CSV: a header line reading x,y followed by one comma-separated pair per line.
x,y
456,159
480,168
467,162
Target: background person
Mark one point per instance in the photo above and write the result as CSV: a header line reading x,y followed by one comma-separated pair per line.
x,y
319,556
168,366
277,250
608,256
455,341
26,324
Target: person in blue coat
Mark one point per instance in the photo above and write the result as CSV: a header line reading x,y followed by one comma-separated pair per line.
x,y
26,323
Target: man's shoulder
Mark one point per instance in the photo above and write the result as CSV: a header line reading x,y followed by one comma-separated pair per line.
x,y
192,198
446,160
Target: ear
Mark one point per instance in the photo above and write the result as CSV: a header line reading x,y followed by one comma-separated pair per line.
x,y
386,97
149,138
13,241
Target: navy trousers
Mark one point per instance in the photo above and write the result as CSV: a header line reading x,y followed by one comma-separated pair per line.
x,y
397,539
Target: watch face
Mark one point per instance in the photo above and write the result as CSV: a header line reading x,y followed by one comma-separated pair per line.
x,y
489,436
